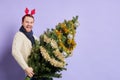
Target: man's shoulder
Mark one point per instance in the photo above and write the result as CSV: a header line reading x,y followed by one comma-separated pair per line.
x,y
19,34
36,38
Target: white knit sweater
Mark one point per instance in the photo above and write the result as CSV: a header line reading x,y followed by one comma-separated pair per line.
x,y
21,49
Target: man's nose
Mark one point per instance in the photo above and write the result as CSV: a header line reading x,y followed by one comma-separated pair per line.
x,y
29,23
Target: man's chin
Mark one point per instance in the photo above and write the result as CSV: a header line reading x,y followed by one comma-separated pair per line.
x,y
28,30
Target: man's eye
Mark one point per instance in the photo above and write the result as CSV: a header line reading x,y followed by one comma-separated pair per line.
x,y
27,22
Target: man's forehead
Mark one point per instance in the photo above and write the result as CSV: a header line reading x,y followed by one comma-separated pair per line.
x,y
27,18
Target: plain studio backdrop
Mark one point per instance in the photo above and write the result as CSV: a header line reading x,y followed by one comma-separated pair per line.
x,y
97,54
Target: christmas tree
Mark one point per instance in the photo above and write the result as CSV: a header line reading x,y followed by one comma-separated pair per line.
x,y
48,54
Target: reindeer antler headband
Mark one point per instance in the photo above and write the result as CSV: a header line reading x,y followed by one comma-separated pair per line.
x,y
27,11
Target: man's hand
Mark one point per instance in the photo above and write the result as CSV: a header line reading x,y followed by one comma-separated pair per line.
x,y
29,71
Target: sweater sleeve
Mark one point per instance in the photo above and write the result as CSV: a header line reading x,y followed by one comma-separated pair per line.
x,y
16,47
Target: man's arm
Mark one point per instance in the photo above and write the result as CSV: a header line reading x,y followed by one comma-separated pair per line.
x,y
16,47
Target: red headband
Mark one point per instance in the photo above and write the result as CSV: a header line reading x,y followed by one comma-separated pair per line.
x,y
27,11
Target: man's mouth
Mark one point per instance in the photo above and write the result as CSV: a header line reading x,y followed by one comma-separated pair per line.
x,y
28,26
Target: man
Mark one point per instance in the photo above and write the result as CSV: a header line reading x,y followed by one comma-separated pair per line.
x,y
22,44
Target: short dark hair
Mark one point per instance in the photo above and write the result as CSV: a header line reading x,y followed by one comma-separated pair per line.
x,y
27,15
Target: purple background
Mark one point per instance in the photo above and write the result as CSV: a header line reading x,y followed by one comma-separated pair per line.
x,y
97,55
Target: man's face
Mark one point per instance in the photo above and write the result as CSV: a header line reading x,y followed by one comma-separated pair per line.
x,y
28,23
